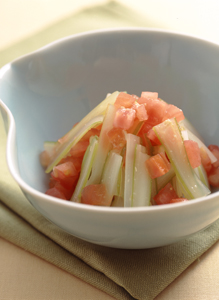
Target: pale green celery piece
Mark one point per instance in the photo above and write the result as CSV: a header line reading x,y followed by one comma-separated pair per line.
x,y
154,190
111,173
181,192
77,132
104,146
164,179
186,124
117,201
170,136
185,135
193,137
142,181
50,147
201,173
85,168
132,141
120,183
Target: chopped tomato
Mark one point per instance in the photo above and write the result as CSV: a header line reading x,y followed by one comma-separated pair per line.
x,y
150,95
213,177
55,192
141,112
178,200
173,111
165,195
153,138
157,165
95,194
77,161
67,182
206,162
66,169
193,153
91,132
124,118
124,100
66,191
135,97
79,149
215,150
117,138
66,174
155,110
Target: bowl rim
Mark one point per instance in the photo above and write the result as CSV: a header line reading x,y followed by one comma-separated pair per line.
x,y
112,30
12,132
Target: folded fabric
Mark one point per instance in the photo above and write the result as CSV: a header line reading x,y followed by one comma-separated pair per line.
x,y
123,274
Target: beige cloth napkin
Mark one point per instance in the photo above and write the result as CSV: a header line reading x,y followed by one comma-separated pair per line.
x,y
123,274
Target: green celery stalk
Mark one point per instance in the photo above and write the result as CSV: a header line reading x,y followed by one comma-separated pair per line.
x,y
132,141
170,136
104,146
142,181
85,168
77,132
111,173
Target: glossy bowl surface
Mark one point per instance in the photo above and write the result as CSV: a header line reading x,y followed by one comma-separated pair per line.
x,y
44,93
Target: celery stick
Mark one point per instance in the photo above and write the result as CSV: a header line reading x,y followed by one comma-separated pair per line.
x,y
142,180
169,134
132,141
164,179
77,132
85,168
179,188
185,124
201,173
117,201
111,173
154,190
104,146
120,183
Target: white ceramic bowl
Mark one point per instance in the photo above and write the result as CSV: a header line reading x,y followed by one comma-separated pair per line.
x,y
43,94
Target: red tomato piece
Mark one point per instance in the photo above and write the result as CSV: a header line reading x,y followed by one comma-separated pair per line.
x,y
90,133
178,200
150,95
66,191
124,118
153,138
66,182
124,100
117,138
66,169
165,195
141,112
77,161
157,165
193,153
79,149
213,177
173,111
155,110
135,97
55,192
215,150
95,194
206,162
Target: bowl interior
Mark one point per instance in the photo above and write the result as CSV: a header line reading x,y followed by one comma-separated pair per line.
x,y
50,90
